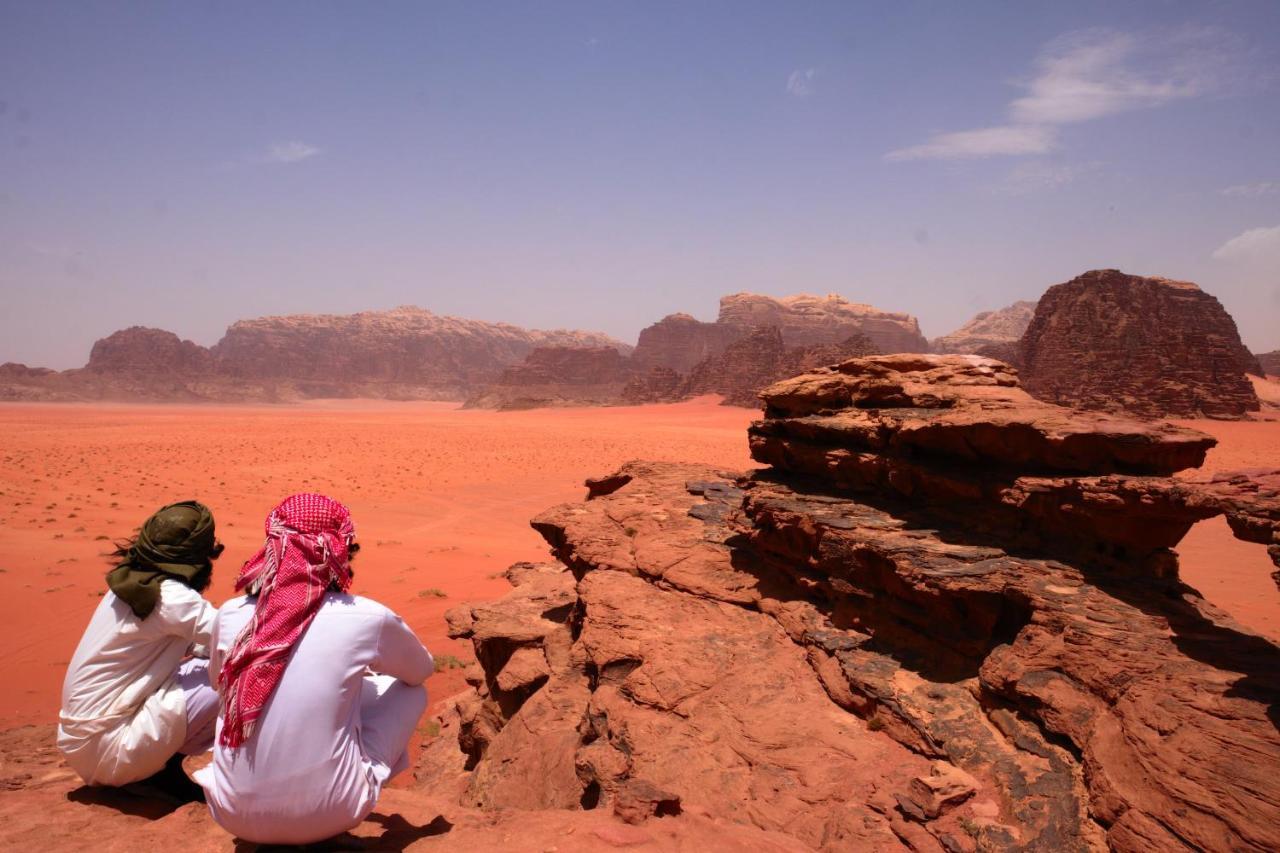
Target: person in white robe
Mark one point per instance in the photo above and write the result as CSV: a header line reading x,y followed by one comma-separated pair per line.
x,y
321,689
137,695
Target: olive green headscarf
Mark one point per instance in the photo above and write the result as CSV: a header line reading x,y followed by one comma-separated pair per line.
x,y
176,543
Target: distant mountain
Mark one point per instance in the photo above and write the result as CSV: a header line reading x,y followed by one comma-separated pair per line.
x,y
406,353
989,328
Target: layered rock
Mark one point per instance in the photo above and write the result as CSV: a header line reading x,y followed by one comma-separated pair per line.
x,y
678,342
141,351
407,353
1108,341
406,347
1269,362
988,329
558,376
807,320
946,616
655,385
761,358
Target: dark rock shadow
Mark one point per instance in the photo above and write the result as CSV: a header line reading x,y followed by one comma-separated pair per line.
x,y
1223,647
397,834
135,805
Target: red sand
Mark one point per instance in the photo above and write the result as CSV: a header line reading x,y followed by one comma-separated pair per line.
x,y
441,498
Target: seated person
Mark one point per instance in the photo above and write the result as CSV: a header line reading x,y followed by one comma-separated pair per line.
x,y
321,690
131,706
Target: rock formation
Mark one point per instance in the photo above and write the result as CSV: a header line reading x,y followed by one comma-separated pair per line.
x,y
1269,362
656,385
807,320
761,358
407,353
680,342
990,328
945,617
558,376
141,351
1151,347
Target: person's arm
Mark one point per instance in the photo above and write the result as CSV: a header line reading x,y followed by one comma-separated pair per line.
x,y
185,613
400,652
215,653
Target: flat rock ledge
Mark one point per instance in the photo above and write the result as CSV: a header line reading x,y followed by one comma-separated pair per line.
x,y
946,617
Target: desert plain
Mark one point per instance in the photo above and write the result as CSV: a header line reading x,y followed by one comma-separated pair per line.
x,y
441,497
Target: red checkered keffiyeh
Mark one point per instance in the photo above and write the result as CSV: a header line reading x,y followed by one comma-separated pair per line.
x,y
306,550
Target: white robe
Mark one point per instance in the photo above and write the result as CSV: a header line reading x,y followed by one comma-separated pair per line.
x,y
123,713
307,773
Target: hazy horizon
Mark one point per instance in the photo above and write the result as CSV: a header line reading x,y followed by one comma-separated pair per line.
x,y
598,166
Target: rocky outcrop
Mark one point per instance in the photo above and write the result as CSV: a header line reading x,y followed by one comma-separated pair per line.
x,y
678,342
806,320
1269,362
681,343
988,329
12,370
1152,347
945,617
141,351
558,376
656,385
761,358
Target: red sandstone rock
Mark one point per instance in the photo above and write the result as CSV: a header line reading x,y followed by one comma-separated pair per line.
x,y
155,352
1151,347
557,376
407,353
806,320
678,342
406,346
657,385
751,363
990,328
946,618
1269,362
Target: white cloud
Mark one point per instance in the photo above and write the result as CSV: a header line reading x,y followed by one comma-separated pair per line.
x,y
986,142
1089,75
1085,76
1254,244
801,82
291,152
1257,190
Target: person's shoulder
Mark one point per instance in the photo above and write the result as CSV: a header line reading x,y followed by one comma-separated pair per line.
x,y
231,605
177,592
359,604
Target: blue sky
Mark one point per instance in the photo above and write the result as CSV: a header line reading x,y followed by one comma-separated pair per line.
x,y
599,165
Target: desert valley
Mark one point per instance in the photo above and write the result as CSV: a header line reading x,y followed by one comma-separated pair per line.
x,y
921,553
663,427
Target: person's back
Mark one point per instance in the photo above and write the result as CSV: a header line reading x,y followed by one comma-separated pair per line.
x,y
305,774
133,701
321,690
123,712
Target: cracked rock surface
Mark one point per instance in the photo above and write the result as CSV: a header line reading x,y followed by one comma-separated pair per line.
x,y
946,617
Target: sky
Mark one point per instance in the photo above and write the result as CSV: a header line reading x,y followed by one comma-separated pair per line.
x,y
600,165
